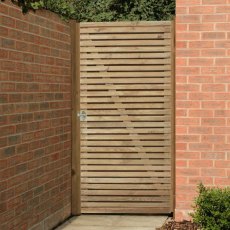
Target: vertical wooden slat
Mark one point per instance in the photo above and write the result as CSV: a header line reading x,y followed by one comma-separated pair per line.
x,y
76,172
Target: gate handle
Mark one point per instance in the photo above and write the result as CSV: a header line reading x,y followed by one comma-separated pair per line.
x,y
82,115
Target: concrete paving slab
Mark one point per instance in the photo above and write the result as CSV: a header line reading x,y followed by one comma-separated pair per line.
x,y
141,221
96,220
105,228
113,222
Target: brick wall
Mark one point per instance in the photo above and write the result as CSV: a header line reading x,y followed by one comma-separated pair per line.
x,y
203,97
35,119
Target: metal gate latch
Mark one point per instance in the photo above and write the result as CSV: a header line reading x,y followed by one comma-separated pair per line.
x,y
82,115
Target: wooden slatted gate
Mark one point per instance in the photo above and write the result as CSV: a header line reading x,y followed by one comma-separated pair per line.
x,y
126,102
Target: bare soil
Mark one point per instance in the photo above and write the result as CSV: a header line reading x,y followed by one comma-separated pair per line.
x,y
183,225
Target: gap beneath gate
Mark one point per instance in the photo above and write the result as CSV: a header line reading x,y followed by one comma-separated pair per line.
x,y
113,222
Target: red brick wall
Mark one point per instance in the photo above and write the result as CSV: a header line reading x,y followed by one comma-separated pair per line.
x,y
35,119
203,97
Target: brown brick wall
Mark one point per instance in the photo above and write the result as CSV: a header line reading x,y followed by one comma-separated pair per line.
x,y
202,98
35,119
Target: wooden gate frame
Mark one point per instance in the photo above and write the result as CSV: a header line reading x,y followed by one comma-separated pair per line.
x,y
76,171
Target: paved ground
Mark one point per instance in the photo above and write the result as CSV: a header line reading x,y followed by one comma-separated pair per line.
x,y
113,222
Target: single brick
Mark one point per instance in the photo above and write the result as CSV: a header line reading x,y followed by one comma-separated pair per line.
x,y
214,2
8,43
223,9
213,35
20,168
201,9
16,139
8,152
213,121
214,17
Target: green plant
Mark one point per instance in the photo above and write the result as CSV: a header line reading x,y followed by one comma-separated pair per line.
x,y
64,8
212,208
124,10
104,10
24,4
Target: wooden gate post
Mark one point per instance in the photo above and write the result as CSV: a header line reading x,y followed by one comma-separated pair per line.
x,y
76,177
173,132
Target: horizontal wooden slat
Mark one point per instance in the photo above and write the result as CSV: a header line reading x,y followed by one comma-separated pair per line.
x,y
126,62
126,131
127,187
125,87
126,192
125,143
123,168
126,168
126,149
127,81
121,43
127,29
127,162
125,93
126,180
126,137
125,55
120,74
124,99
123,159
125,174
139,112
125,198
127,115
143,37
122,204
129,68
120,123
125,24
127,106
127,210
128,118
124,125
124,49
